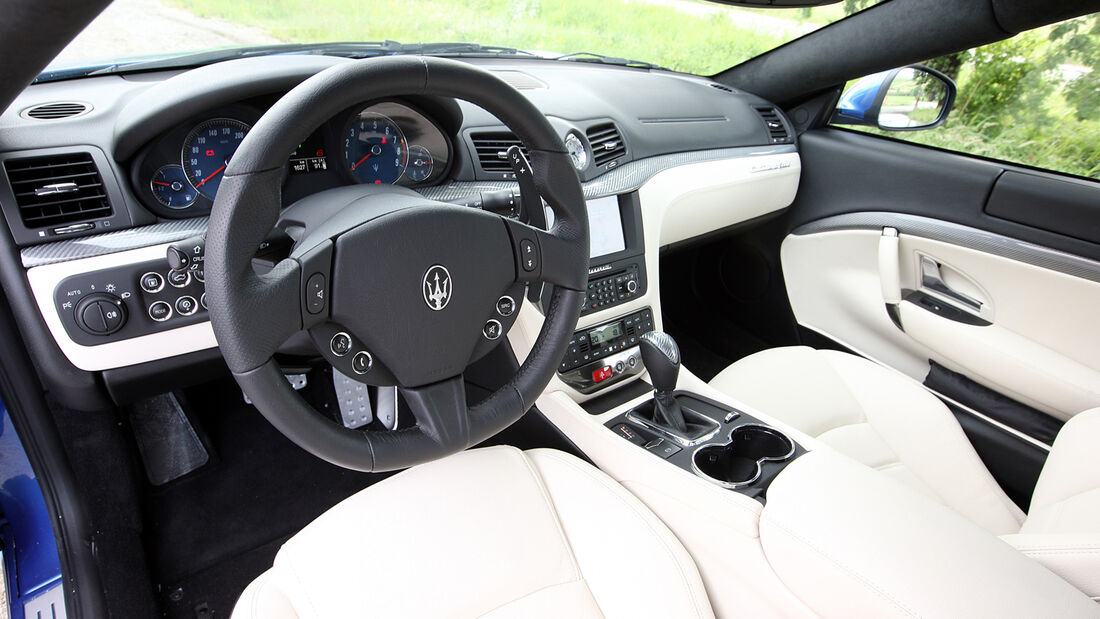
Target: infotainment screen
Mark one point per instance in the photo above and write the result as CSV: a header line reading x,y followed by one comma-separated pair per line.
x,y
605,227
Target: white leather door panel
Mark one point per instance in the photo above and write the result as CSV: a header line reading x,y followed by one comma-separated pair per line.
x,y
1042,348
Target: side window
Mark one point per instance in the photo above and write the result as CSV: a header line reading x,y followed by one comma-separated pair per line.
x,y
1033,99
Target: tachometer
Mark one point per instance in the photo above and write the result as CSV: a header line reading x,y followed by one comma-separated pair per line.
x,y
170,187
375,149
207,151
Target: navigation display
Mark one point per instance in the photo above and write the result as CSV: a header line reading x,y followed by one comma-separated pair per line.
x,y
605,227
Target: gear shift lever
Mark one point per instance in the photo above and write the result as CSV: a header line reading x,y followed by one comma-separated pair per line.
x,y
661,357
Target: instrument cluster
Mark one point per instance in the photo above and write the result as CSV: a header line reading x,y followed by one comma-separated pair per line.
x,y
386,142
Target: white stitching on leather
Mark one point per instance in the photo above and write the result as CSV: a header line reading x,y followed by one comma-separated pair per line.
x,y
830,558
642,516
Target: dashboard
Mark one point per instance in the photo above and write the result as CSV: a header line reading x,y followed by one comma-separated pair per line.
x,y
92,203
384,142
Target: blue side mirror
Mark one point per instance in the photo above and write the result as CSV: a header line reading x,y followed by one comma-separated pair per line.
x,y
907,99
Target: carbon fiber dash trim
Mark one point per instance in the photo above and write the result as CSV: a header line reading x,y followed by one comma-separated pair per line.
x,y
963,236
111,242
625,178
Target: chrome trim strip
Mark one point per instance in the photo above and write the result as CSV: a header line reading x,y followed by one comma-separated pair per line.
x,y
957,234
731,485
676,437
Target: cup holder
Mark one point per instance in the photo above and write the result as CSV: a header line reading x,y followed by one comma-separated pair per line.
x,y
738,463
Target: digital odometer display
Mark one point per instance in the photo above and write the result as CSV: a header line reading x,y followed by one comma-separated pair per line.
x,y
605,333
207,150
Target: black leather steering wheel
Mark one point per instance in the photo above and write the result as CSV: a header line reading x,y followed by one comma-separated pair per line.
x,y
411,282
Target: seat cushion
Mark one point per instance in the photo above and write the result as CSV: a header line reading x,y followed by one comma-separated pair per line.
x,y
492,532
878,417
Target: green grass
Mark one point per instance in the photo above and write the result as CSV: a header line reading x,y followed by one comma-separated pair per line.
x,y
681,40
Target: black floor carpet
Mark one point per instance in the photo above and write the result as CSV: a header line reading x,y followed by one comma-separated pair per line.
x,y
213,531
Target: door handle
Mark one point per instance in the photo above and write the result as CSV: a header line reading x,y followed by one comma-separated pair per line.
x,y
931,279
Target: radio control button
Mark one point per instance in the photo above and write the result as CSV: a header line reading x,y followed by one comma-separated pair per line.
x,y
492,329
340,344
152,282
631,286
506,305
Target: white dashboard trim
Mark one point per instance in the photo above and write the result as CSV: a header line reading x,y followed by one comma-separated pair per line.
x,y
678,204
44,280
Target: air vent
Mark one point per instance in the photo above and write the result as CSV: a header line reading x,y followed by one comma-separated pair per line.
x,y
721,87
54,111
777,131
491,149
57,189
607,144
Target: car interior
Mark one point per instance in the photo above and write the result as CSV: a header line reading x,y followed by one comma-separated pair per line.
x,y
481,335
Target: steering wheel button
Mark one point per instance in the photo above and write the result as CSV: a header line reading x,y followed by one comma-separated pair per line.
x,y
179,279
186,305
316,293
340,344
506,305
152,282
160,311
362,362
529,255
492,329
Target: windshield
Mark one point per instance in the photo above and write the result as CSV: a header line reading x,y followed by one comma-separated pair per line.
x,y
691,36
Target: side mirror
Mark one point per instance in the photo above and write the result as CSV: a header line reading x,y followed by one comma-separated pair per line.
x,y
906,99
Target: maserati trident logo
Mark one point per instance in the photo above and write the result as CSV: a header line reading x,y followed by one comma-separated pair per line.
x,y
437,287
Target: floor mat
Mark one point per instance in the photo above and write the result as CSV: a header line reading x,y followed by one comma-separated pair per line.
x,y
257,489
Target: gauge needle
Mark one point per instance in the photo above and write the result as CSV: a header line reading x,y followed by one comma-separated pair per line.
x,y
212,175
164,184
365,157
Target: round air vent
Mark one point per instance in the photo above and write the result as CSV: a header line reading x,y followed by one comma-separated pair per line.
x,y
54,111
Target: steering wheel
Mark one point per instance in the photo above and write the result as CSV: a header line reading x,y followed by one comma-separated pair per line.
x,y
394,289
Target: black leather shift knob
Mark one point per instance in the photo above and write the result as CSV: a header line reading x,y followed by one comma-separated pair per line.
x,y
661,357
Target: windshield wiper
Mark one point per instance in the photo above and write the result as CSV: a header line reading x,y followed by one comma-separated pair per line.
x,y
601,59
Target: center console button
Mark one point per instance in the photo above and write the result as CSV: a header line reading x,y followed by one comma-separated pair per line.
x,y
631,286
160,311
200,274
506,305
179,279
202,301
152,282
601,374
629,433
186,305
663,448
340,344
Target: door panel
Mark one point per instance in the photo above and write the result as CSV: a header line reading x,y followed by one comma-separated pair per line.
x,y
974,282
1042,347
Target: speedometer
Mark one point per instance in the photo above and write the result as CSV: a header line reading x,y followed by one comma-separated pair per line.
x,y
375,149
207,151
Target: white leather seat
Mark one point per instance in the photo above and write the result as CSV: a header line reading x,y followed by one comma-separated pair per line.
x,y
878,417
890,423
492,532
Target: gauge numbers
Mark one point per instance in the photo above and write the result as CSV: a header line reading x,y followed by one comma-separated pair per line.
x,y
207,150
171,188
375,149
420,164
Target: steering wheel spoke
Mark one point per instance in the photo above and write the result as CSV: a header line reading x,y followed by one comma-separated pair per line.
x,y
441,413
542,256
